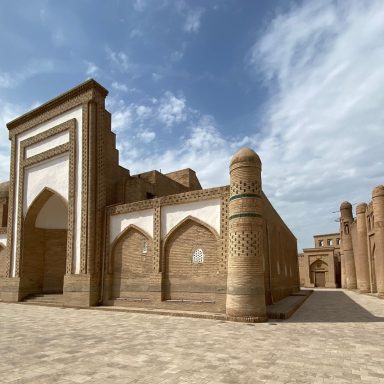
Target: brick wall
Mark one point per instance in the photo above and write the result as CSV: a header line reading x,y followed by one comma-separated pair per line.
x,y
183,278
131,266
281,264
55,251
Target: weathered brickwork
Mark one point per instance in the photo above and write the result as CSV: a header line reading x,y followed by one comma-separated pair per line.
x,y
186,278
221,249
132,261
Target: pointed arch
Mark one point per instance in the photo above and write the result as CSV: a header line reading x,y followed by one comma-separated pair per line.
x,y
43,250
130,262
184,221
42,197
317,264
121,237
186,276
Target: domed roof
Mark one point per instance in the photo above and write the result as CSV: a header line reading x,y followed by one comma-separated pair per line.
x,y
345,205
246,155
378,191
361,208
4,189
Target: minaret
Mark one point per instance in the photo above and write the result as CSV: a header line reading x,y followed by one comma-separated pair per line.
x,y
349,262
361,252
245,281
378,214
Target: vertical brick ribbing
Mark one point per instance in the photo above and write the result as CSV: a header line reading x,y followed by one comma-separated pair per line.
x,y
245,282
378,212
346,242
361,254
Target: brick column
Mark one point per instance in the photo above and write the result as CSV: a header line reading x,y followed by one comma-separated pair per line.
x,y
349,261
361,254
378,214
245,280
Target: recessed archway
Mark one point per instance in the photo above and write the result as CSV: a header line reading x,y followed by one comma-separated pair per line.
x,y
131,263
44,245
190,262
319,273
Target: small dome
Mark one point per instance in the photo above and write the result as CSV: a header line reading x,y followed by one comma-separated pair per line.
x,y
4,189
378,191
345,205
361,208
245,155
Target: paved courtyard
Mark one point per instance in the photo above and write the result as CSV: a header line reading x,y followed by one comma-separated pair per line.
x,y
335,337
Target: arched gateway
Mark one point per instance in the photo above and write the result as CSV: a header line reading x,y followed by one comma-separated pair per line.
x,y
44,245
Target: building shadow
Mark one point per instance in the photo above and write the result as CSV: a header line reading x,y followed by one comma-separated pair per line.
x,y
332,307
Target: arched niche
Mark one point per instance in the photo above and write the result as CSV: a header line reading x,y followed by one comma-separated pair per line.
x,y
190,261
44,244
319,273
131,262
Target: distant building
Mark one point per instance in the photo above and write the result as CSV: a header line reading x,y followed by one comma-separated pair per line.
x,y
76,224
321,266
362,244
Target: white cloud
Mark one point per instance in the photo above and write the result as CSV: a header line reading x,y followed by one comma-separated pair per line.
x,y
172,110
146,136
119,86
92,69
323,139
139,5
120,60
193,20
7,81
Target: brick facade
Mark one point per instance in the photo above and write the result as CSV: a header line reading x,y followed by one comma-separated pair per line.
x,y
152,239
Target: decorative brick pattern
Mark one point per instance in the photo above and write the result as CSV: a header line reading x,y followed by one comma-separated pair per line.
x,y
69,125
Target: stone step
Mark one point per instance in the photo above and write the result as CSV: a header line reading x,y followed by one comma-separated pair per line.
x,y
45,299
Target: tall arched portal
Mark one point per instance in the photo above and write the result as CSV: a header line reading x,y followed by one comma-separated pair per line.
x,y
44,246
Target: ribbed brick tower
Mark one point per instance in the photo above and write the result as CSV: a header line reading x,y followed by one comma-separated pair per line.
x,y
378,213
245,284
361,253
349,261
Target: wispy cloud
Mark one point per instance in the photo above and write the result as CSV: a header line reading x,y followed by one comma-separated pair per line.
x,y
323,138
32,68
193,20
91,69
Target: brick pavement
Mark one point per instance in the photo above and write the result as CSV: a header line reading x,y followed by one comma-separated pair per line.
x,y
335,337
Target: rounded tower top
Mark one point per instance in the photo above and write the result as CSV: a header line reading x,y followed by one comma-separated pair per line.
x,y
361,208
345,205
246,155
378,191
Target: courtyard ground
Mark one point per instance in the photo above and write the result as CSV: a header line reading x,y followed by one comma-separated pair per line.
x,y
337,336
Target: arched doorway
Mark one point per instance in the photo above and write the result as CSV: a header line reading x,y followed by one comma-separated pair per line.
x,y
131,264
190,262
319,272
44,246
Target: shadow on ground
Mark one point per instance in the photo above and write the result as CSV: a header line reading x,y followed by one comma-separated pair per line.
x,y
332,307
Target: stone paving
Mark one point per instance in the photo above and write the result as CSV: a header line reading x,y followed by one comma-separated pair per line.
x,y
335,337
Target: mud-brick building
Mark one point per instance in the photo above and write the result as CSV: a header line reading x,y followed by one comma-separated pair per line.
x,y
362,244
77,225
320,266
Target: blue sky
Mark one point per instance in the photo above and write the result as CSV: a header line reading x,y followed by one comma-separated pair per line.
x,y
190,82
